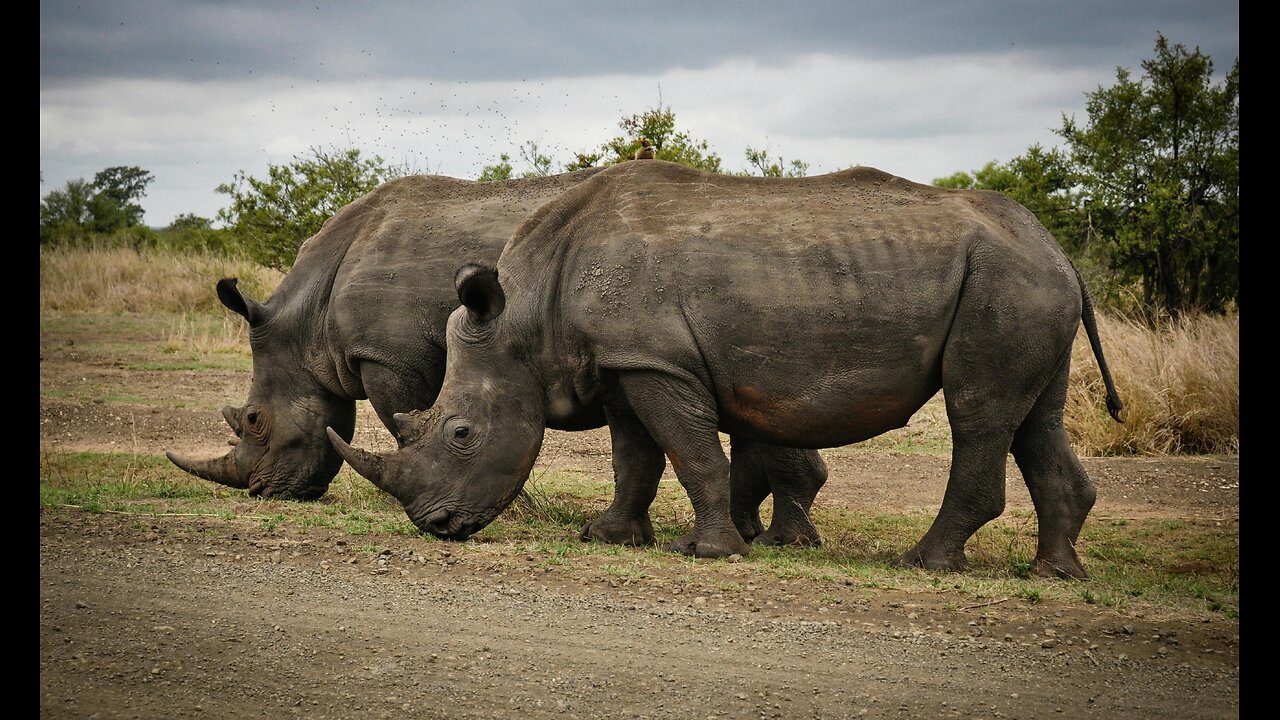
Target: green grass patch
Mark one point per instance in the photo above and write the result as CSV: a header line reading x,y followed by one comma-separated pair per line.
x,y
105,391
1177,565
90,328
101,481
117,398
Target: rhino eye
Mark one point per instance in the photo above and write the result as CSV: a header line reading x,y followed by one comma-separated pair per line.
x,y
457,433
256,421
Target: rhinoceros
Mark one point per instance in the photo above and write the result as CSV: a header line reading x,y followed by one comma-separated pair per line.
x,y
810,312
362,314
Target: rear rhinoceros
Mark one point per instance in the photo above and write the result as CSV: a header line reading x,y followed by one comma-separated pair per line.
x,y
362,314
812,312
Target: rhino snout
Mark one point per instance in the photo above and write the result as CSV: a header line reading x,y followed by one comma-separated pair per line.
x,y
448,525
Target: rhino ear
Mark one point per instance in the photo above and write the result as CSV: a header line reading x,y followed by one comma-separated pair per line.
x,y
479,291
243,306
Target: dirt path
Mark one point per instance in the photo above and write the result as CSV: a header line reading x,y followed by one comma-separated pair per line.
x,y
170,616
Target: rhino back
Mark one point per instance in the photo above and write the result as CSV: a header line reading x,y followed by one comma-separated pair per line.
x,y
377,280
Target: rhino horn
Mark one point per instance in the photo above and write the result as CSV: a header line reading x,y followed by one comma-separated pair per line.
x,y
220,470
368,464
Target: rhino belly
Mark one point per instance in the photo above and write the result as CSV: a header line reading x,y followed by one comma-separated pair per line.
x,y
827,412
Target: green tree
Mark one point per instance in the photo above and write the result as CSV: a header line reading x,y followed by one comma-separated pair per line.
x,y
499,171
658,125
107,206
64,214
582,160
114,204
190,232
540,165
769,167
1158,164
271,218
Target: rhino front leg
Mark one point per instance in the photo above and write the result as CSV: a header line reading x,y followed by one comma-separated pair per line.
x,y
638,463
681,417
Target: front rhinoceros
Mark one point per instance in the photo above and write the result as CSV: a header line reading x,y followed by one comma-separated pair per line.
x,y
362,314
812,312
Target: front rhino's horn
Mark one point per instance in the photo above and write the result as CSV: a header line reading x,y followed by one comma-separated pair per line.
x,y
368,464
220,470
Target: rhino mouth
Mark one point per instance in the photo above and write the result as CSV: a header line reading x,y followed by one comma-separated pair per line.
x,y
447,524
283,491
449,520
266,481
453,523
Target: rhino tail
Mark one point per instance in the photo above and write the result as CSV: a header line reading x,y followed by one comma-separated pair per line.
x,y
1114,406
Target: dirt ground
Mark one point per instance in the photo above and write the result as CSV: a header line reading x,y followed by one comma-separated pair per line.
x,y
173,616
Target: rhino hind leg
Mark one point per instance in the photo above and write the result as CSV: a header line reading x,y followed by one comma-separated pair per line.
x,y
1003,372
1060,488
974,497
794,477
638,463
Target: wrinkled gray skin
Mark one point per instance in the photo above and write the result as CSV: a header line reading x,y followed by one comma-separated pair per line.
x,y
812,312
362,315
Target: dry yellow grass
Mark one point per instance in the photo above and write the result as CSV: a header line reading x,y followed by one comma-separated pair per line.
x,y
122,280
1180,384
196,335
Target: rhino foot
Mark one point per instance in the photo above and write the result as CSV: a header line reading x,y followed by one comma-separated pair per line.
x,y
801,537
710,545
932,560
619,531
1068,568
749,525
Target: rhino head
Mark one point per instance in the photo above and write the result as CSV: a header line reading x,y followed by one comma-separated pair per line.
x,y
280,449
465,459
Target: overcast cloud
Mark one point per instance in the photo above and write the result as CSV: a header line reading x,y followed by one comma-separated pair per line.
x,y
196,91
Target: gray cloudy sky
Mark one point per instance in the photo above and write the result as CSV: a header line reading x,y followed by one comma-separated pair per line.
x,y
196,91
